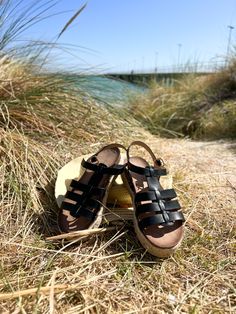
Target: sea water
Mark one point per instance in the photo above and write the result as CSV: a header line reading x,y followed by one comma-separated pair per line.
x,y
107,90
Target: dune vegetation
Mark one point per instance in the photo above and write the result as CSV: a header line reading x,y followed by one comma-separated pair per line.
x,y
199,107
45,121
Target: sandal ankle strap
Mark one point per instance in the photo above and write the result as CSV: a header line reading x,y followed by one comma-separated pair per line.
x,y
148,171
103,169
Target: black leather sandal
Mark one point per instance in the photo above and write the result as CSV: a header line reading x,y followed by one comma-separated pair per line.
x,y
84,202
158,220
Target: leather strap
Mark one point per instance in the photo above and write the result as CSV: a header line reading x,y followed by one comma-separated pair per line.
x,y
91,193
157,201
157,207
159,219
87,188
151,195
75,207
157,161
148,171
79,211
139,143
103,169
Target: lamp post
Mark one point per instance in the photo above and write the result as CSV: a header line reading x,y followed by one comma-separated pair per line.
x,y
156,57
179,52
143,64
134,66
230,27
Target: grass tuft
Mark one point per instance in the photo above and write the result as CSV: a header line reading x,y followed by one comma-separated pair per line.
x,y
197,107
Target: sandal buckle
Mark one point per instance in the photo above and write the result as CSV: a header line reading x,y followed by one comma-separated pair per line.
x,y
160,162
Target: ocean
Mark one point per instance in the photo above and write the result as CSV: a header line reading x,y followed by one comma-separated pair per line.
x,y
107,90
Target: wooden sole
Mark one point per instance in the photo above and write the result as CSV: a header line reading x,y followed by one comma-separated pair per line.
x,y
152,249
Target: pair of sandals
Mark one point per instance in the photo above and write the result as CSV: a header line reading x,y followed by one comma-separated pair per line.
x,y
158,220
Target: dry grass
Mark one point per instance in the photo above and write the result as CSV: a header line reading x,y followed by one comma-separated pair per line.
x,y
198,107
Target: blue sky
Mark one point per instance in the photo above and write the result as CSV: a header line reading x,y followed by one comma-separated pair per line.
x,y
126,34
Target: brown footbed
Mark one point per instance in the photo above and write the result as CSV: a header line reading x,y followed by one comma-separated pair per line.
x,y
108,156
160,236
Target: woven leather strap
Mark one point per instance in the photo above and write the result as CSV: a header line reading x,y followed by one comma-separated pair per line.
x,y
154,200
82,204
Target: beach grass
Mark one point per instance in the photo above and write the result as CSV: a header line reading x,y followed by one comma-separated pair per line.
x,y
199,107
45,121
